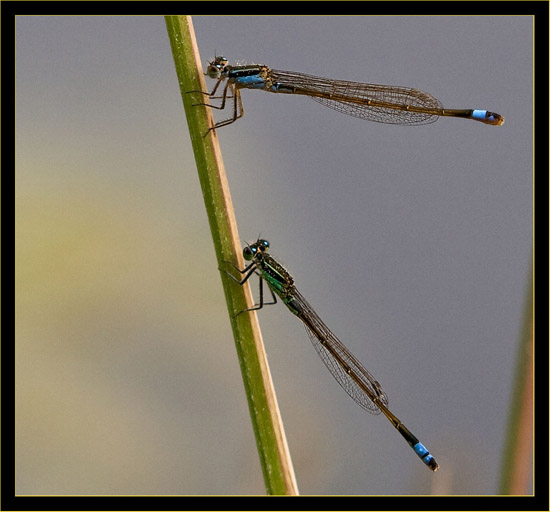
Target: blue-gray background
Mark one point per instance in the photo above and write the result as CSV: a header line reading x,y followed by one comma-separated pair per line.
x,y
413,243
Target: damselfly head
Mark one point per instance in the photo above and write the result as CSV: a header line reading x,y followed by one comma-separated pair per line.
x,y
263,245
249,252
216,67
259,246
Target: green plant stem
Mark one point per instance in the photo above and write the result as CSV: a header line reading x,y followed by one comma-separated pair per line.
x,y
270,437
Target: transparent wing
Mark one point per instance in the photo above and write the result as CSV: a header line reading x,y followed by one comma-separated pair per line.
x,y
378,103
354,378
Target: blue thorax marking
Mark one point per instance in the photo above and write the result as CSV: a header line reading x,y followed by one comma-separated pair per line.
x,y
248,76
250,82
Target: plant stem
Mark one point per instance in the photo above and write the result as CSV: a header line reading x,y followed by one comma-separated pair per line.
x,y
270,437
517,461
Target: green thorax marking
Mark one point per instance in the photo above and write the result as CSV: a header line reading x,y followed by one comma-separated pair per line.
x,y
278,279
275,274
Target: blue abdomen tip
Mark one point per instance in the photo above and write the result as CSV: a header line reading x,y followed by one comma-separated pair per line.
x,y
420,450
479,114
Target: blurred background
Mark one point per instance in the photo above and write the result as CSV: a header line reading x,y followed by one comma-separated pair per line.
x,y
412,243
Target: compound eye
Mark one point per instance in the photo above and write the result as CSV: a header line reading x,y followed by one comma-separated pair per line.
x,y
213,71
248,253
263,245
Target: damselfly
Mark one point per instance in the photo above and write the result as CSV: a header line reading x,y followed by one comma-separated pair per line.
x,y
356,380
380,103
